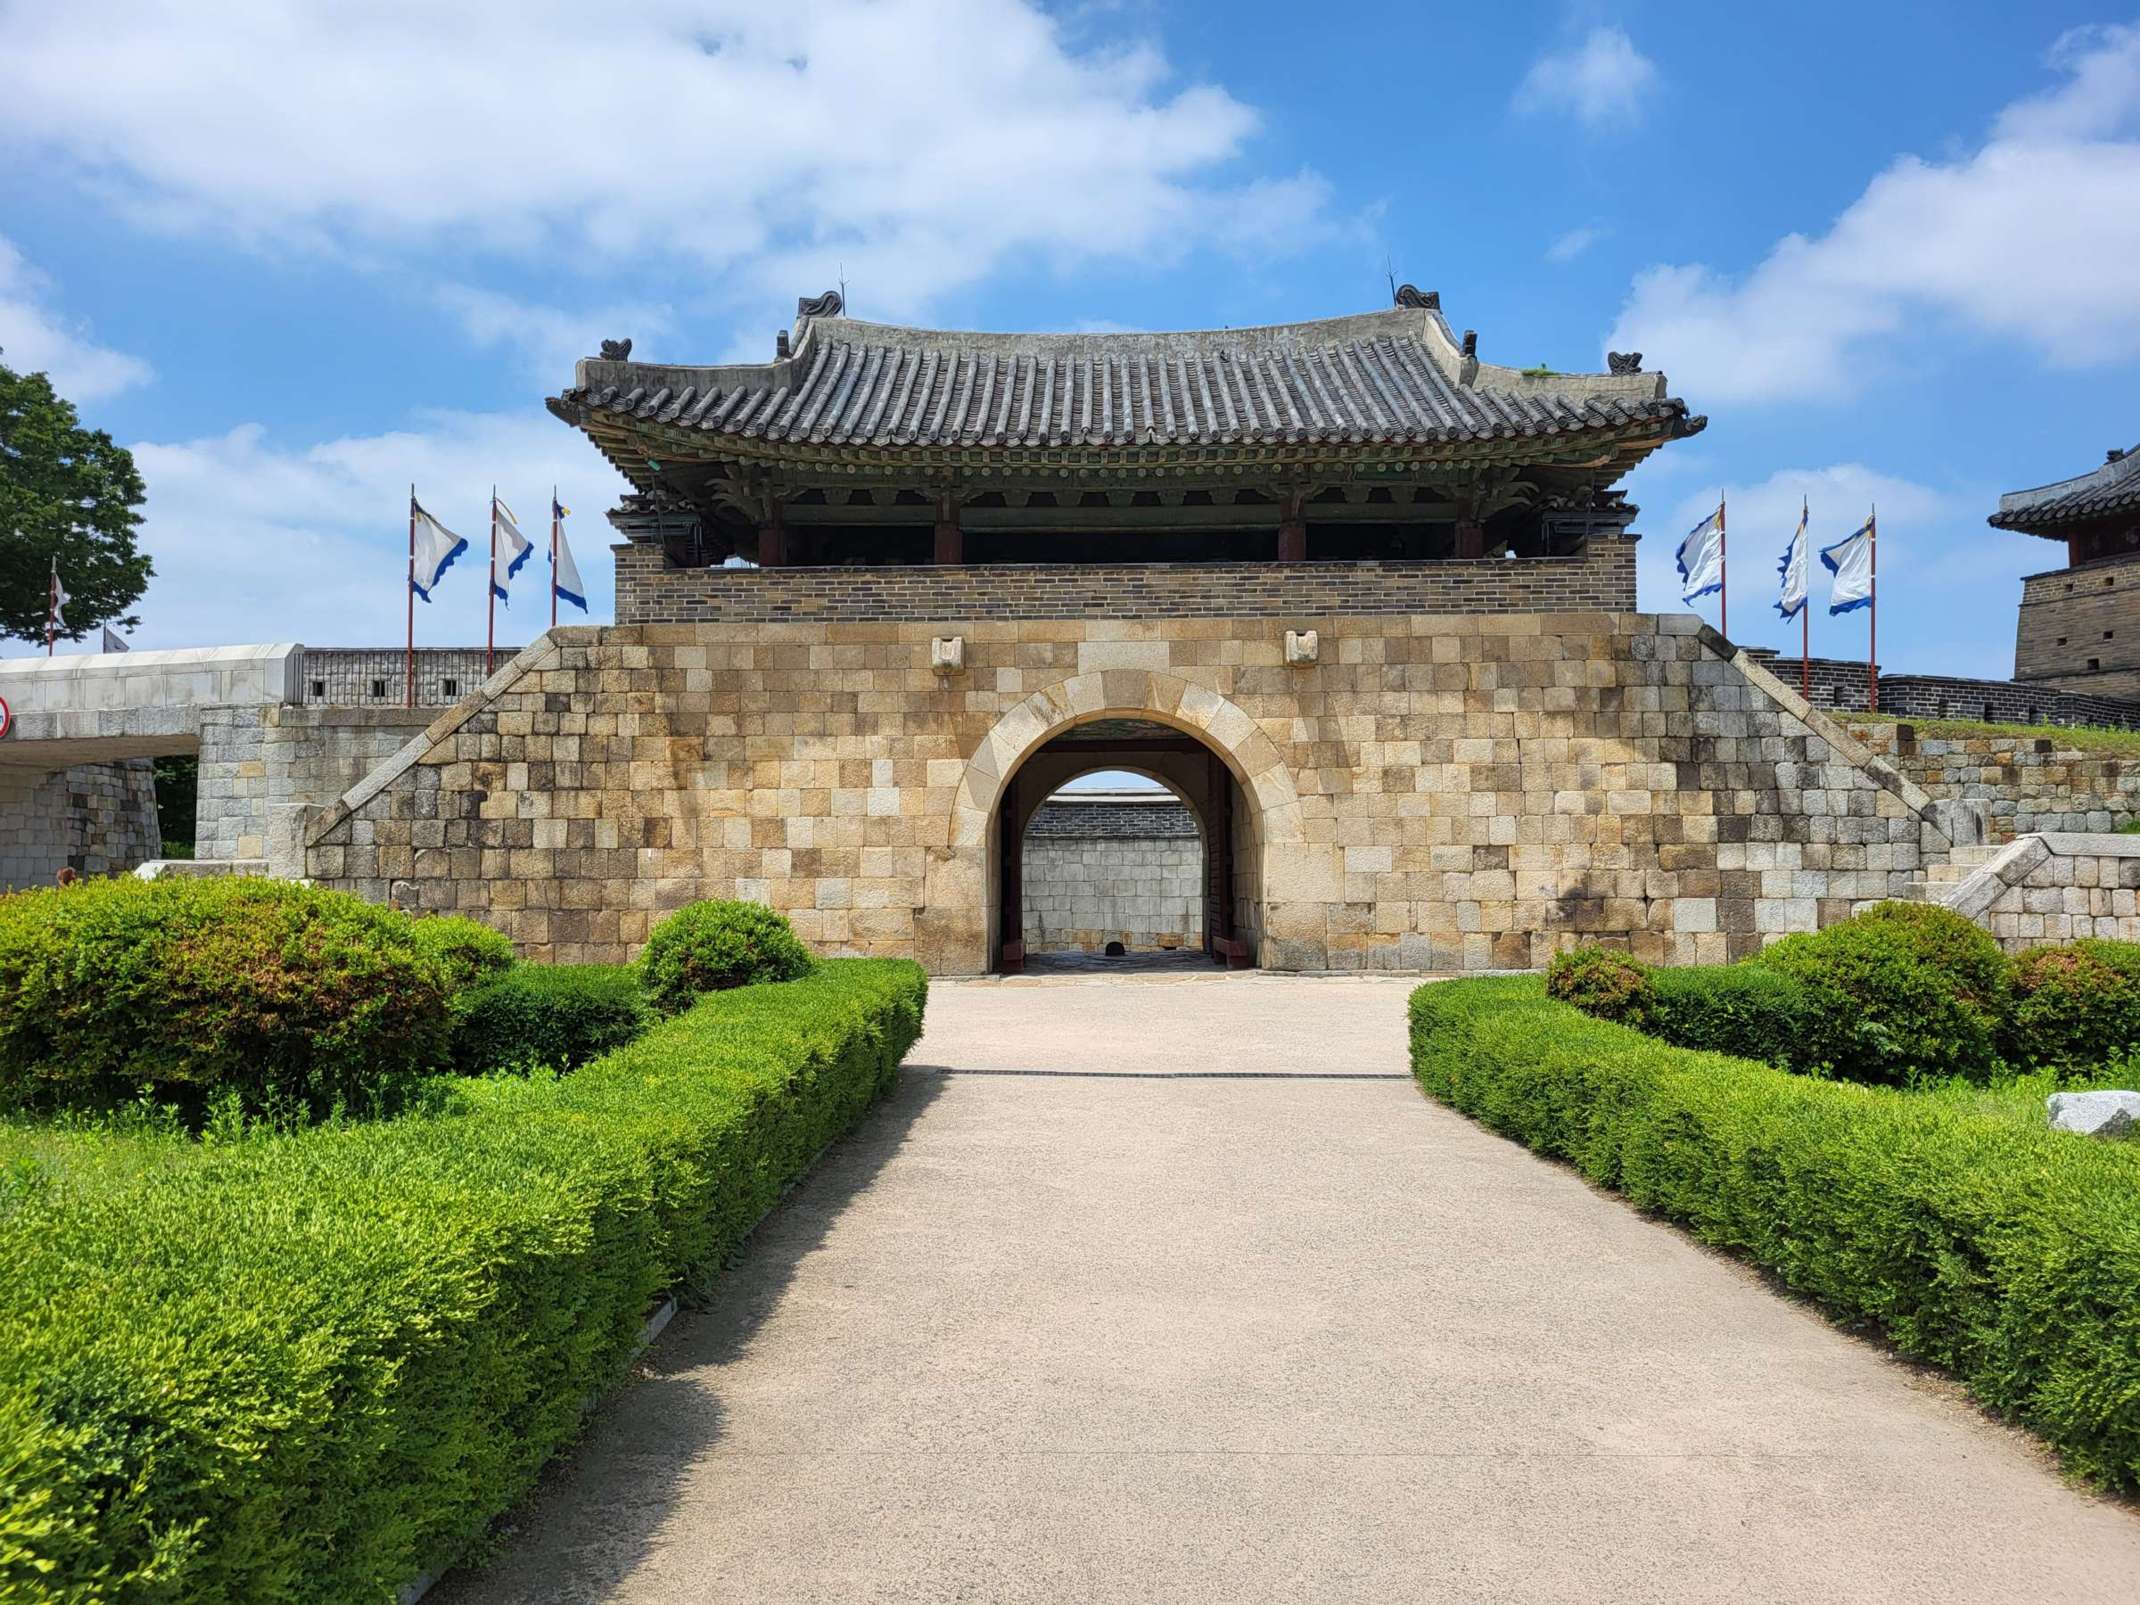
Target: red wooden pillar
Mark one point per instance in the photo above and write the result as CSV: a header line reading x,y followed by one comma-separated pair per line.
x,y
1470,534
773,536
950,538
1292,529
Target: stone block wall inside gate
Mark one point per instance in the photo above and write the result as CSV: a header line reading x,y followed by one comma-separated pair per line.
x,y
1435,791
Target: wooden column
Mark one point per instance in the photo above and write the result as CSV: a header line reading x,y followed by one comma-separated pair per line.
x,y
950,539
1470,534
1292,529
773,536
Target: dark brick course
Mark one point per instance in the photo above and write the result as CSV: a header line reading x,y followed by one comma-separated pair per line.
x,y
650,591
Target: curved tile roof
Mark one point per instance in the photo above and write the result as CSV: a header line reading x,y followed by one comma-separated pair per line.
x,y
1391,378
2112,488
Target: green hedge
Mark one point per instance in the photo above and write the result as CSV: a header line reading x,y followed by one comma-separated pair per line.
x,y
713,945
310,1367
1728,1008
2009,1255
547,1016
293,998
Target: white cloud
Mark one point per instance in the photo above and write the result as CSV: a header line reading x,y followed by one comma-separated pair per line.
x,y
258,542
920,142
1601,80
1573,244
549,339
36,339
2033,238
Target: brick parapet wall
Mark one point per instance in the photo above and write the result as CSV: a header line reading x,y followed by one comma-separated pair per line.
x,y
650,591
360,677
1840,683
2079,627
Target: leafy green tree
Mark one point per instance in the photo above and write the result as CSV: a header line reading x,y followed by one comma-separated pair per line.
x,y
70,493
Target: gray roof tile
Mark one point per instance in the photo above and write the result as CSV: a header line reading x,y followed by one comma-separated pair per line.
x,y
2113,488
1393,377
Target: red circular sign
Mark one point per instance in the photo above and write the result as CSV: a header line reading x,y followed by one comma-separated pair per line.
x,y
7,719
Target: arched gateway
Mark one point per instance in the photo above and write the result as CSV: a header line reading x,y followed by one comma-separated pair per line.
x,y
1386,586
1252,818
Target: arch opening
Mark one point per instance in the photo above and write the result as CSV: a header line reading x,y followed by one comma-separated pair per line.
x,y
1147,896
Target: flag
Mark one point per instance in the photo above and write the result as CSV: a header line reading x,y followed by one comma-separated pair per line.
x,y
60,599
1701,558
565,575
1795,571
509,551
1850,561
112,643
436,548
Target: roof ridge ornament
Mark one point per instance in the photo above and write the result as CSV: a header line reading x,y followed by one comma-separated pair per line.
x,y
828,305
1470,369
1410,295
616,351
1623,362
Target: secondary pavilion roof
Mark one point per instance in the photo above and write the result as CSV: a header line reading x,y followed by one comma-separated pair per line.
x,y
1394,387
2050,510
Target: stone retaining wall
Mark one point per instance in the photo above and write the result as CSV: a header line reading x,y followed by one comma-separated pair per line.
x,y
2055,887
1112,871
2027,784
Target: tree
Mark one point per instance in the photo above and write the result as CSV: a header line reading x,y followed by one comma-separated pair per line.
x,y
70,493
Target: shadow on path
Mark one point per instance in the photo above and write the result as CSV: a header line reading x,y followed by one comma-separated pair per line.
x,y
598,1508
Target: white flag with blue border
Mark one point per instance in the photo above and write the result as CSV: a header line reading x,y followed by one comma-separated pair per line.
x,y
436,548
510,550
1795,571
1701,558
566,575
1850,560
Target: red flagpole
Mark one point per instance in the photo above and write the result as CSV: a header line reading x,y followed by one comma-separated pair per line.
x,y
490,592
1805,606
1872,614
553,557
1723,572
408,660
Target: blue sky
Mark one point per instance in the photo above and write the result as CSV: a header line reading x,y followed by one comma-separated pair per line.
x,y
299,257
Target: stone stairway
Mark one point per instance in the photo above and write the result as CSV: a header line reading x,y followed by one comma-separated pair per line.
x,y
1961,863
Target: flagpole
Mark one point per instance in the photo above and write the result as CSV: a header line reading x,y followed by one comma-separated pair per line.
x,y
408,659
1805,605
51,604
490,593
553,556
1872,613
1723,572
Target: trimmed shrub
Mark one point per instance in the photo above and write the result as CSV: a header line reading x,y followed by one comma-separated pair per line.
x,y
311,1367
467,953
1601,981
1890,997
289,995
549,1016
2007,1253
2075,1006
711,946
1729,1008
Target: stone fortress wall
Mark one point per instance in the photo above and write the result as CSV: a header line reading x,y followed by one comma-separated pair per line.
x,y
1436,791
1100,870
96,819
2024,784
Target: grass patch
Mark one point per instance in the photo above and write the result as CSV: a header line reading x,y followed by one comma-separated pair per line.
x,y
2077,738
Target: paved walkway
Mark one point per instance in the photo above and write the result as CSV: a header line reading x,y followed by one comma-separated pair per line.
x,y
1178,1290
